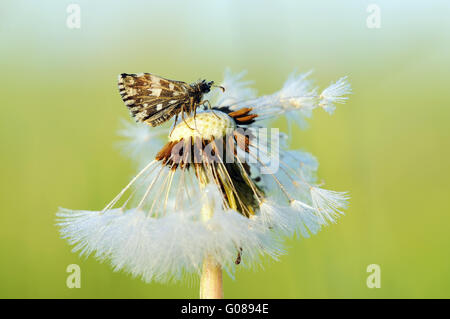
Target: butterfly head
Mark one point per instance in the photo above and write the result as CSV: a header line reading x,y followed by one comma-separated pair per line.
x,y
205,86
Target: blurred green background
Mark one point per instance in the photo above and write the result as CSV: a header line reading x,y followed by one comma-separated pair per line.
x,y
389,146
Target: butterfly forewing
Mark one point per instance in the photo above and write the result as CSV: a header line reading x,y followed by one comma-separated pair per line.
x,y
151,98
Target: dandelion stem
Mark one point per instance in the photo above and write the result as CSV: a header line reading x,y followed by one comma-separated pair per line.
x,y
211,279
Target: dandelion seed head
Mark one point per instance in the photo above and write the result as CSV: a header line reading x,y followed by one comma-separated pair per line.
x,y
206,125
204,191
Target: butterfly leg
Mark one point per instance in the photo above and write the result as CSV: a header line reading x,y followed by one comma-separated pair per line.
x,y
174,125
195,122
206,102
193,109
239,256
210,107
182,117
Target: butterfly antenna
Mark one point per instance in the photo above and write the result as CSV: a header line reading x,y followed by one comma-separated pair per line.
x,y
220,87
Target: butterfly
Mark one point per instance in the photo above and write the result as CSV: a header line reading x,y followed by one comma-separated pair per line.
x,y
154,100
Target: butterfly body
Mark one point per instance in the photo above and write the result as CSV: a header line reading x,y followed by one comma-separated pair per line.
x,y
154,100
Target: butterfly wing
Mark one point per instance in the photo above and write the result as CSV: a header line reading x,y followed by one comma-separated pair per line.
x,y
151,98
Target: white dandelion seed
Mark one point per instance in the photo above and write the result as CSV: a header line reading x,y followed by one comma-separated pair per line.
x,y
206,200
297,94
308,222
297,99
236,89
335,93
328,205
141,142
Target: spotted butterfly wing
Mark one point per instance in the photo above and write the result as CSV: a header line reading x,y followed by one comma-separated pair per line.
x,y
151,98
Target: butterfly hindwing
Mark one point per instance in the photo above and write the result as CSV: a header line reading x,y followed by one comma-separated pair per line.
x,y
151,98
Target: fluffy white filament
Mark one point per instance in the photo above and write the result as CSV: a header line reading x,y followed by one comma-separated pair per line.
x,y
164,249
